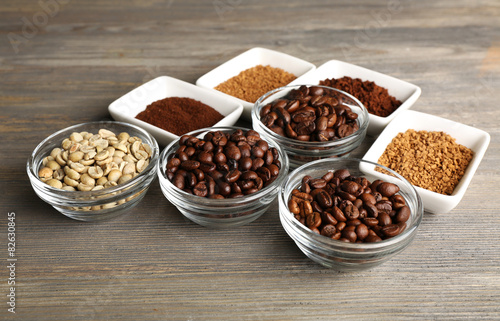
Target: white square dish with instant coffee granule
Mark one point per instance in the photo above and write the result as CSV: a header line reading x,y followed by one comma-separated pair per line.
x,y
248,59
129,105
474,139
404,91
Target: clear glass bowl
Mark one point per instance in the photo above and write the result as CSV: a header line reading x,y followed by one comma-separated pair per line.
x,y
301,152
93,205
220,213
337,254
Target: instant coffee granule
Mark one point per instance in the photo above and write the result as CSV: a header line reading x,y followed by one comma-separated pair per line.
x,y
429,159
179,115
375,98
250,84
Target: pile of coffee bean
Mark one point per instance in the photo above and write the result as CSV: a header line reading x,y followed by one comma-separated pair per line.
x,y
223,165
91,162
310,114
350,208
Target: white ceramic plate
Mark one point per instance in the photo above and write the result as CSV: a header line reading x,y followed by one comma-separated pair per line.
x,y
129,105
475,139
405,92
248,59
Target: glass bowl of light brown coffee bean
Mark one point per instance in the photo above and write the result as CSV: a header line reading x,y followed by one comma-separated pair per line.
x,y
311,122
345,219
222,177
94,171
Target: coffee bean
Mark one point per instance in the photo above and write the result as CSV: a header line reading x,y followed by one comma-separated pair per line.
x,y
349,233
324,199
190,165
317,183
351,212
390,230
328,230
293,206
232,176
327,218
403,214
387,189
200,189
313,220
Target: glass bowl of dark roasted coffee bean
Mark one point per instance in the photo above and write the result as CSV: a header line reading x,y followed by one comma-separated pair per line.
x,y
346,219
94,171
222,177
311,122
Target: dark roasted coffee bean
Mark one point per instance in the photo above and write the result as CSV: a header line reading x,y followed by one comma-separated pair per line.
x,y
349,233
178,181
190,179
390,230
293,206
327,218
384,206
257,152
351,212
313,220
324,199
233,152
235,188
350,187
403,214
207,167
328,230
205,157
338,214
370,221
262,144
384,219
200,189
341,174
367,198
257,163
190,165
387,189
173,163
232,176
317,183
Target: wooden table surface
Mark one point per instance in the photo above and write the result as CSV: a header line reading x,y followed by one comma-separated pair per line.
x,y
64,62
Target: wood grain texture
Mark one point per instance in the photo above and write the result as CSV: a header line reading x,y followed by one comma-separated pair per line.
x,y
153,263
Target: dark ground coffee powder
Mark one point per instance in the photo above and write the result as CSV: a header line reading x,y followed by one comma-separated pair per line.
x,y
179,115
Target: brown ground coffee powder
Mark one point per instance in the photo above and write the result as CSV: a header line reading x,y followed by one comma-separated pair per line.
x,y
179,115
249,85
431,160
375,98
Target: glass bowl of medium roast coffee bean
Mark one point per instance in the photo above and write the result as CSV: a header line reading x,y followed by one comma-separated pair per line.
x,y
346,219
222,177
311,122
94,171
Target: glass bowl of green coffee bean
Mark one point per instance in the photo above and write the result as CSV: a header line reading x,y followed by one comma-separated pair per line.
x,y
94,171
345,218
